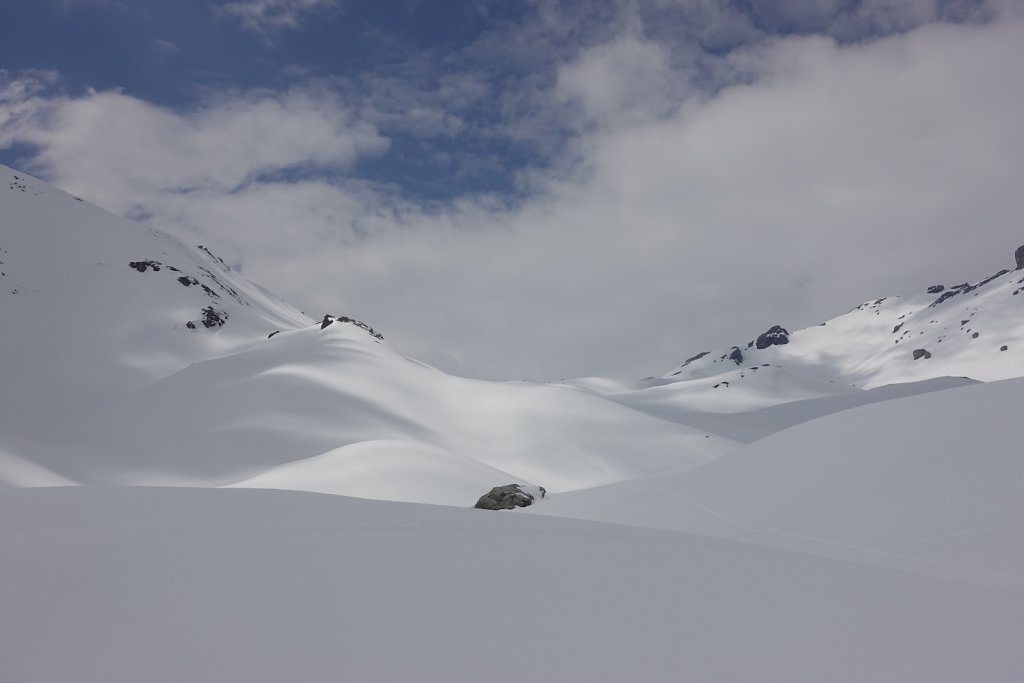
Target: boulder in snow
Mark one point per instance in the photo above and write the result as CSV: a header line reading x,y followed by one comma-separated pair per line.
x,y
505,497
775,336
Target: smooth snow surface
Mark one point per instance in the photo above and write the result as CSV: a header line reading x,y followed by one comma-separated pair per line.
x,y
827,510
226,585
933,482
82,326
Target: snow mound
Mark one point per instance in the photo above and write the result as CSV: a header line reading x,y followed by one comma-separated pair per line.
x,y
339,407
929,482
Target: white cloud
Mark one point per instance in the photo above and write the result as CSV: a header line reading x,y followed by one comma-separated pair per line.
x,y
21,99
123,152
268,16
626,78
832,175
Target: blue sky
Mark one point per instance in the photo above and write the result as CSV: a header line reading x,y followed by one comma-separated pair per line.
x,y
541,188
173,53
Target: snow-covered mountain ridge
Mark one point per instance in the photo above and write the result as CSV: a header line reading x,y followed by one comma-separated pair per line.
x,y
965,330
139,360
167,367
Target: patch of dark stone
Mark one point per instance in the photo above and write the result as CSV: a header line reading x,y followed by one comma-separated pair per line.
x,y
506,497
216,258
188,281
776,335
331,319
868,304
974,336
211,318
736,356
965,288
693,358
1003,347
142,266
226,289
935,289
922,353
214,318
273,333
897,328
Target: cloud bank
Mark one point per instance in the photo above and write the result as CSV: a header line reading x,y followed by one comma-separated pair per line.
x,y
691,200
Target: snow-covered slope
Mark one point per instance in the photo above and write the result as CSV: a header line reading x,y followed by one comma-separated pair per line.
x,y
931,482
970,330
173,585
94,305
349,415
134,359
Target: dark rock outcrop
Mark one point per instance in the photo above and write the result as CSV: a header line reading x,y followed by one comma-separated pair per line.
x,y
697,357
213,317
922,353
505,497
216,258
935,289
141,266
966,287
1018,256
273,333
736,356
775,336
331,319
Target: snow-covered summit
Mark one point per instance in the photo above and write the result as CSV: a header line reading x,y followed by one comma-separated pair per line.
x,y
971,329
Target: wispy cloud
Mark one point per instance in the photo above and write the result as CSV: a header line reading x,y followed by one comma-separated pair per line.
x,y
22,98
269,16
165,47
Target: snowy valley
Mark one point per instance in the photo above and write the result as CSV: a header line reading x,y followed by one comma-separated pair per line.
x,y
838,503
